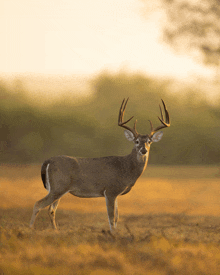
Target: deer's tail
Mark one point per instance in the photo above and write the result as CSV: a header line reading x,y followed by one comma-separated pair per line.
x,y
44,174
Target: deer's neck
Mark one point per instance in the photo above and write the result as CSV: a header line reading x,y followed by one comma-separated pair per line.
x,y
138,163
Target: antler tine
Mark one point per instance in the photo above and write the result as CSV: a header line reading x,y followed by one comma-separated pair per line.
x,y
121,113
151,125
165,123
124,103
161,112
121,116
166,113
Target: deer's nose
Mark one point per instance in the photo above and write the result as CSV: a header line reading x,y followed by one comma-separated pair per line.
x,y
143,151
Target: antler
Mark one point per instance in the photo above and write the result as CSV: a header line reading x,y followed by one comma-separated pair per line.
x,y
164,124
121,116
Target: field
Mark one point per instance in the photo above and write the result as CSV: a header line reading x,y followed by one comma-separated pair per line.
x,y
169,224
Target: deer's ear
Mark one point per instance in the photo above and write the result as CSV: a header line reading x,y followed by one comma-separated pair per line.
x,y
157,136
129,135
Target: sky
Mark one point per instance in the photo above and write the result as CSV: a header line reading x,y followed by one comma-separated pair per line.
x,y
85,37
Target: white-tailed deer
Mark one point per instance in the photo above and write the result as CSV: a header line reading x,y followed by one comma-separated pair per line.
x,y
106,177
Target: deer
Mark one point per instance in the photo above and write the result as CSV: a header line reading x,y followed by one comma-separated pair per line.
x,y
106,177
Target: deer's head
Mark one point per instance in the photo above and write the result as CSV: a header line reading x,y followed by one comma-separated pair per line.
x,y
142,142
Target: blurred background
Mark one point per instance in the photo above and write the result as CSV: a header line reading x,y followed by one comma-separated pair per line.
x,y
65,67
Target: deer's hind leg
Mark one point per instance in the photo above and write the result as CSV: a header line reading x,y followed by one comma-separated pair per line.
x,y
52,211
46,201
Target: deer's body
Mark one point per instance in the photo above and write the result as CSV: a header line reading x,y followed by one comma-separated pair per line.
x,y
106,177
90,177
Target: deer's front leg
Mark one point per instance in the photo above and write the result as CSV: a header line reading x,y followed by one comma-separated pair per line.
x,y
110,204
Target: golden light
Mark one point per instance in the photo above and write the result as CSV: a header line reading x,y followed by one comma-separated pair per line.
x,y
85,37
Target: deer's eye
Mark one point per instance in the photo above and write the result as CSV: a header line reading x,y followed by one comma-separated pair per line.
x,y
137,142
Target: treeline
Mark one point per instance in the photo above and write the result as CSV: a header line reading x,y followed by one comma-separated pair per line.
x,y
30,133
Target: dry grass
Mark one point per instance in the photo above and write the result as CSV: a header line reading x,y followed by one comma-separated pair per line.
x,y
167,225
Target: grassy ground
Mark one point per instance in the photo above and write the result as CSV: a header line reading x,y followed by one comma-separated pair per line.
x,y
169,224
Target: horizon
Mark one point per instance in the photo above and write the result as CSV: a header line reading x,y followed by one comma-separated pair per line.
x,y
53,87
